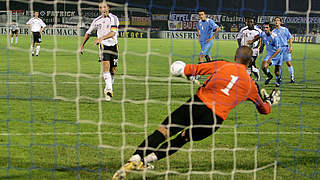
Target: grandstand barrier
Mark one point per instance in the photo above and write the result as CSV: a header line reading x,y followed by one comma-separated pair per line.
x,y
73,31
69,31
297,38
194,35
301,38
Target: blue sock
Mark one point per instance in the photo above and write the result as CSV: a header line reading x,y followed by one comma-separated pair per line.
x,y
291,71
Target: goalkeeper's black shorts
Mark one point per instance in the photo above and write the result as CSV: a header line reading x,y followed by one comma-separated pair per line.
x,y
194,116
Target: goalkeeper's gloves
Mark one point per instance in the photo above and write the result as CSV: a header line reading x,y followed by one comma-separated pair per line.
x,y
194,79
272,98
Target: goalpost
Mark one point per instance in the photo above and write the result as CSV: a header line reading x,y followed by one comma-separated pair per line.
x,y
55,123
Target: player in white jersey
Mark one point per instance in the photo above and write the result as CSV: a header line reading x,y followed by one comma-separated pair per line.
x,y
245,35
107,31
14,29
36,26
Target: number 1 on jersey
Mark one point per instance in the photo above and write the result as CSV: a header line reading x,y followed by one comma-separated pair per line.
x,y
229,86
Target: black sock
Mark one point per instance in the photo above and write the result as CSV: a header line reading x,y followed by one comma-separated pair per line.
x,y
266,73
175,143
208,59
154,140
253,63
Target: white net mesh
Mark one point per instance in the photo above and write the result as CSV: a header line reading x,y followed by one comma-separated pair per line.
x,y
55,123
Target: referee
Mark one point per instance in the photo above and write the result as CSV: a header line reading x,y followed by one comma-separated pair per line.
x,y
37,26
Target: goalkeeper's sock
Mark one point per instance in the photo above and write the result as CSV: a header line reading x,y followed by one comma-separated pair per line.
x,y
291,71
136,158
11,40
16,39
150,144
150,158
37,50
108,80
175,144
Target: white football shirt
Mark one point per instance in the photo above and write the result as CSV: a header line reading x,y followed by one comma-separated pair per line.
x,y
14,26
36,24
104,26
246,34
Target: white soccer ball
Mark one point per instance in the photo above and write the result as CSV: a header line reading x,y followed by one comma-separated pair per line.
x,y
177,68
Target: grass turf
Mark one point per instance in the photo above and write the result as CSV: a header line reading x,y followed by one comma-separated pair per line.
x,y
55,124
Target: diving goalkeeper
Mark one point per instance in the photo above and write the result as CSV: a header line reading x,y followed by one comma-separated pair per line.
x,y
228,85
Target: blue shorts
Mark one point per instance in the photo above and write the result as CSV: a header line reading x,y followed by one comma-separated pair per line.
x,y
206,48
276,61
286,55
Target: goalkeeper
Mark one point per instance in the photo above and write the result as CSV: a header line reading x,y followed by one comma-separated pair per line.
x,y
228,85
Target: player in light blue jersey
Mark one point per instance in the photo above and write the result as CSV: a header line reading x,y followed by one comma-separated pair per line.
x,y
285,37
207,31
274,56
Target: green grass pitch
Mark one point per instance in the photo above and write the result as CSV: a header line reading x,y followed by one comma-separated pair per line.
x,y
77,135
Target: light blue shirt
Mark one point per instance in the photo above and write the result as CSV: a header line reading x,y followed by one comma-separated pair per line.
x,y
272,42
207,29
283,34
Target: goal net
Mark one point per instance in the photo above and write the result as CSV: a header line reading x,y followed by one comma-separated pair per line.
x,y
56,124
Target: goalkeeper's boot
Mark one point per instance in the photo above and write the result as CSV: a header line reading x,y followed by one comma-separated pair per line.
x,y
108,94
130,166
268,80
148,166
292,80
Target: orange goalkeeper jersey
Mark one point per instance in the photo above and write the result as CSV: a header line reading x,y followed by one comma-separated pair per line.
x,y
228,85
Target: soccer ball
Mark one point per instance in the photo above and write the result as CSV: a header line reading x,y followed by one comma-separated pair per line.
x,y
177,68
